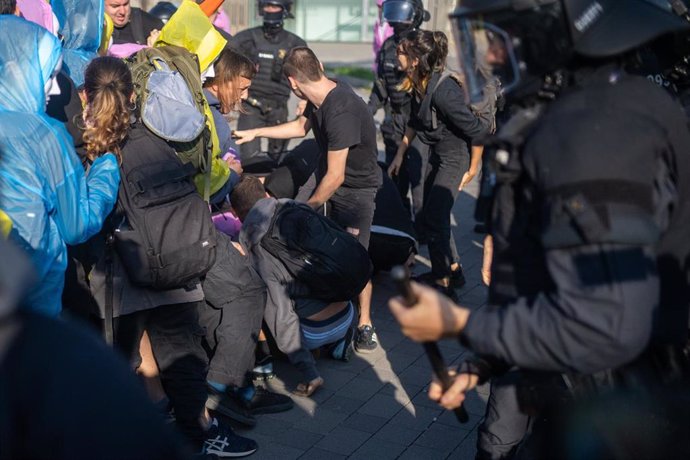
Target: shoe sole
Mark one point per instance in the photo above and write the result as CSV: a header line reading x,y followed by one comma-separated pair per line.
x,y
365,351
232,454
239,418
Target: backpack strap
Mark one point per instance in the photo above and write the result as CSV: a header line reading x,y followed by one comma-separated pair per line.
x,y
434,118
108,332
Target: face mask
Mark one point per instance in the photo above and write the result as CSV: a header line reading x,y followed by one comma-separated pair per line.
x,y
52,88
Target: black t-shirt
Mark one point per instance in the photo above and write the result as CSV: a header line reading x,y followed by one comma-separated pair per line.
x,y
137,29
344,122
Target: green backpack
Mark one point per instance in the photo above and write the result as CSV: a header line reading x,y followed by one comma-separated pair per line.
x,y
171,103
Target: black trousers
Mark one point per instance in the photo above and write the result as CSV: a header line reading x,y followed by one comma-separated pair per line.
x,y
176,340
440,190
275,113
232,315
504,426
354,208
410,179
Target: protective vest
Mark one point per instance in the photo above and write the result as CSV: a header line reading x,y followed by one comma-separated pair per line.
x,y
518,268
270,83
398,101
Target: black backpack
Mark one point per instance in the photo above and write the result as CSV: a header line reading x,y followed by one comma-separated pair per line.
x,y
329,261
164,236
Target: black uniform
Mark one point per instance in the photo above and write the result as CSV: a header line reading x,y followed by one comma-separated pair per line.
x,y
138,28
450,141
590,248
270,90
396,104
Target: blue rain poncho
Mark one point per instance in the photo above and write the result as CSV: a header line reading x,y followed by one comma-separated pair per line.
x,y
81,25
43,188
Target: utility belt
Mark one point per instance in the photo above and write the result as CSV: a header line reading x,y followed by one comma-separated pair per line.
x,y
658,367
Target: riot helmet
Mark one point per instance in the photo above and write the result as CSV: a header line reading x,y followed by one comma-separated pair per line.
x,y
521,42
273,21
163,11
405,14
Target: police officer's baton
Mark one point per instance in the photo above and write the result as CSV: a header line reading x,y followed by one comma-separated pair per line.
x,y
401,278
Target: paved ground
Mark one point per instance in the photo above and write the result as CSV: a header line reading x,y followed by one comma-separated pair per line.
x,y
376,406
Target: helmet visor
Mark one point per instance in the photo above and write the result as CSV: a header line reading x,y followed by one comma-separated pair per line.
x,y
485,52
398,11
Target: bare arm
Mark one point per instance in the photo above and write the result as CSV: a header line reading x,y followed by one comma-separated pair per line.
x,y
296,128
335,176
476,158
407,139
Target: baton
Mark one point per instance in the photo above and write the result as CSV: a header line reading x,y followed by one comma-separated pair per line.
x,y
400,276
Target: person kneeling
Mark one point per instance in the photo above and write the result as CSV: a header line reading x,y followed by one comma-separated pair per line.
x,y
300,317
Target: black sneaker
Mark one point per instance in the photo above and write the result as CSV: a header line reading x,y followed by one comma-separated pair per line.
x,y
222,442
341,350
457,278
268,402
366,340
228,406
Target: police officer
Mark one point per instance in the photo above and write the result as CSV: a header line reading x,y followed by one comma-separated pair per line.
x,y
403,16
589,282
267,46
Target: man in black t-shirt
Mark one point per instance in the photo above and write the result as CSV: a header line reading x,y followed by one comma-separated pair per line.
x,y
347,173
132,25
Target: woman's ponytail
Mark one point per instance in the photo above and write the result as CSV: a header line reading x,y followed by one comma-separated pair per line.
x,y
108,87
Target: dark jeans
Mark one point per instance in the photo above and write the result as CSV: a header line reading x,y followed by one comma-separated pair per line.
x,y
231,314
354,208
440,190
176,337
253,118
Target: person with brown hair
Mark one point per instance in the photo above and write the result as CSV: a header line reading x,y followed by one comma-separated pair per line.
x,y
170,316
347,174
441,118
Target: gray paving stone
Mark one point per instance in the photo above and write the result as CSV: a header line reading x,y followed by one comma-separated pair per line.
x,y
334,379
269,449
467,450
419,452
342,404
410,390
397,434
382,376
381,406
441,437
361,389
377,449
365,422
323,421
296,438
320,454
343,441
419,418
416,375
400,361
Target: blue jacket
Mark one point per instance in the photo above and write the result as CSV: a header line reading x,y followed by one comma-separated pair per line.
x,y
81,24
43,187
